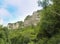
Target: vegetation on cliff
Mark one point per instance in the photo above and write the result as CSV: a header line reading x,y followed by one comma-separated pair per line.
x,y
47,31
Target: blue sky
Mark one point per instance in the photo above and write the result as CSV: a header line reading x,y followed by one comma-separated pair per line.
x,y
16,10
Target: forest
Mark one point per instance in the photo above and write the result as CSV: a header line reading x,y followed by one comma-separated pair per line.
x,y
47,31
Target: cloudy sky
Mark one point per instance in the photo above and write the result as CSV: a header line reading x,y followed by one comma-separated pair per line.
x,y
16,10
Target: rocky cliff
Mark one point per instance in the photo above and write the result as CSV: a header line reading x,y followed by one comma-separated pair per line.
x,y
29,20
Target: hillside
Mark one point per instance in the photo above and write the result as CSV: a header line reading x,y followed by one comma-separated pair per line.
x,y
41,29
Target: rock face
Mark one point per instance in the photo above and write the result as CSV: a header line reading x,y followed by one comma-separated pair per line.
x,y
15,25
32,20
29,20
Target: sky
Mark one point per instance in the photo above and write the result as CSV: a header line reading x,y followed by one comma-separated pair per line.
x,y
16,10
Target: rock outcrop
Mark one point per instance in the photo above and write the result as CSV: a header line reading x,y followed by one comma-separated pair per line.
x,y
29,20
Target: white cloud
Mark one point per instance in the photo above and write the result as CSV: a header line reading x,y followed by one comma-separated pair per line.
x,y
4,12
12,2
1,21
25,7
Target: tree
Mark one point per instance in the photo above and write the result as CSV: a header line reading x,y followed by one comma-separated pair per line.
x,y
6,37
49,20
43,3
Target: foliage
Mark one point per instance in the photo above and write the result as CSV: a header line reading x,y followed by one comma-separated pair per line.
x,y
47,31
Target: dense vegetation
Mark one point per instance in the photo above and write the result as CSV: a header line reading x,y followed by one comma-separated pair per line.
x,y
47,30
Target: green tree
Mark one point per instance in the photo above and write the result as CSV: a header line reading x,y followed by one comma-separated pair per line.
x,y
49,21
43,3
